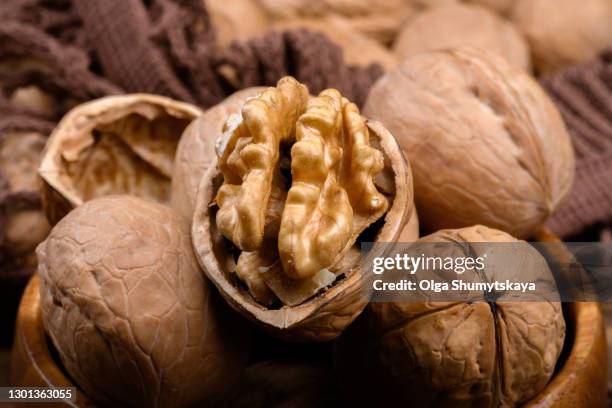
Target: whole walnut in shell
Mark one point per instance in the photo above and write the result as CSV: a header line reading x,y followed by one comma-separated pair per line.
x,y
485,143
376,19
127,308
297,183
113,145
456,25
196,149
564,32
503,7
431,354
358,49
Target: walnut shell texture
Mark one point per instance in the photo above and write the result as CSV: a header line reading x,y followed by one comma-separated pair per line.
x,y
503,7
128,309
455,25
196,149
377,19
431,354
113,145
324,316
564,32
485,143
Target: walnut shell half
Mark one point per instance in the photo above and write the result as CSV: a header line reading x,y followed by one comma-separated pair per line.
x,y
113,145
325,315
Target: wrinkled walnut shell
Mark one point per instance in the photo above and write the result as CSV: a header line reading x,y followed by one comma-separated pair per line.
x,y
485,143
324,316
430,354
113,145
125,304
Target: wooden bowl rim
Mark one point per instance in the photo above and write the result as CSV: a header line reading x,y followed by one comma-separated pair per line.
x,y
587,335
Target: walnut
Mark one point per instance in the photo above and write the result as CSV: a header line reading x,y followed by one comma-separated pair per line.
x,y
503,7
485,143
358,49
376,19
237,20
113,145
453,25
196,149
249,153
298,180
564,32
129,311
430,354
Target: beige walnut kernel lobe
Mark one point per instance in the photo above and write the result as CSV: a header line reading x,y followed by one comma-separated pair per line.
x,y
333,168
251,155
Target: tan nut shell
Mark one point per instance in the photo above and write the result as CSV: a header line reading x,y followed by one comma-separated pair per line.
x,y
196,149
455,25
237,20
485,143
564,32
323,317
377,19
433,354
502,7
126,306
357,48
114,145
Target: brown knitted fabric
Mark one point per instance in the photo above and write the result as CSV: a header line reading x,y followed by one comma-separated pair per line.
x,y
77,50
583,95
310,57
168,48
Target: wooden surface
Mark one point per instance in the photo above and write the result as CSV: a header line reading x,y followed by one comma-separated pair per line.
x,y
582,379
580,382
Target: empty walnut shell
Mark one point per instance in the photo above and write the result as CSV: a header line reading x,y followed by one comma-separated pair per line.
x,y
485,143
197,149
132,317
324,316
113,145
431,354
